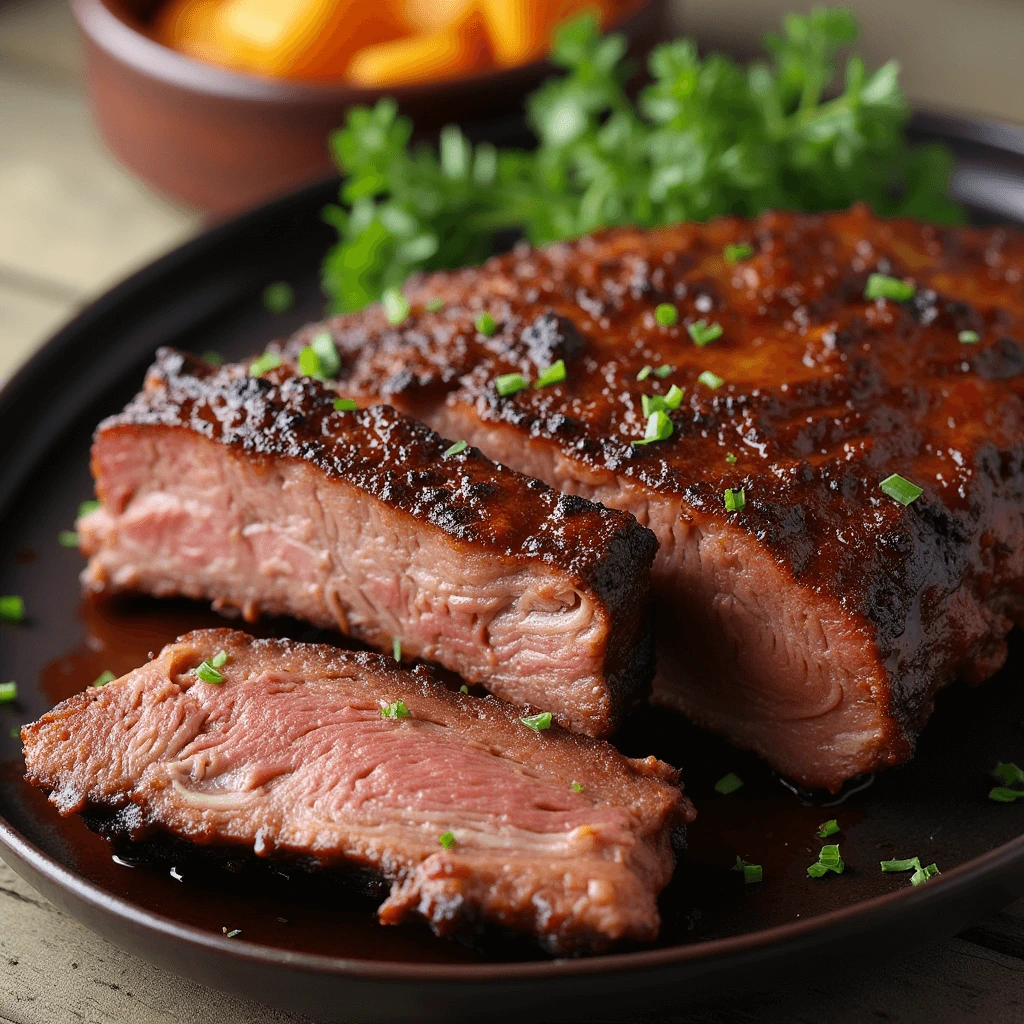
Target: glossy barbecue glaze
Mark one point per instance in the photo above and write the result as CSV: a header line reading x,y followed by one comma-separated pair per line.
x,y
290,756
825,394
389,456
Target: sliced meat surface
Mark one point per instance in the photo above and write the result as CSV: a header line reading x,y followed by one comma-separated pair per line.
x,y
258,495
815,623
470,815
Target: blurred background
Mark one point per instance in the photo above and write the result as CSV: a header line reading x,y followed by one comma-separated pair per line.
x,y
186,92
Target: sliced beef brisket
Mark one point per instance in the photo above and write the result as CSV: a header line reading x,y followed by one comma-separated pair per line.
x,y
470,815
257,494
815,623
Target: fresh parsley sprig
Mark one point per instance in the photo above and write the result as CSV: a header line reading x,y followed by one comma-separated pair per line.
x,y
707,137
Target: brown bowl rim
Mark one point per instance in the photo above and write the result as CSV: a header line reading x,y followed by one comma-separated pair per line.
x,y
125,43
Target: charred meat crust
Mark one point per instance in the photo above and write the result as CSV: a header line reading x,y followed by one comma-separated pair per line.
x,y
402,463
291,758
479,507
825,394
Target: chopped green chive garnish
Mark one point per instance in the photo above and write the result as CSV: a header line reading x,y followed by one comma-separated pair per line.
x,y
457,448
213,358
659,428
103,678
828,828
661,371
266,362
735,500
828,860
309,363
1005,795
730,458
969,337
8,692
666,314
910,864
485,324
15,732
1012,784
736,252
509,383
395,710
12,608
881,287
901,489
396,648
448,840
327,353
662,403
233,934
434,305
67,539
704,333
554,374
463,688
344,405
220,659
538,723
923,874
396,306
1008,774
752,873
710,380
576,787
86,507
208,674
728,784
279,297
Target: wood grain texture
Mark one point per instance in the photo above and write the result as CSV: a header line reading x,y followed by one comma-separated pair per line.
x,y
72,222
27,318
54,971
68,213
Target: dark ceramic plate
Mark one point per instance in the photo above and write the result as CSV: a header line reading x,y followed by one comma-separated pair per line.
x,y
313,944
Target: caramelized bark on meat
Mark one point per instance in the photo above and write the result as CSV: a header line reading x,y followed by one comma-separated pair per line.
x,y
816,623
291,756
257,494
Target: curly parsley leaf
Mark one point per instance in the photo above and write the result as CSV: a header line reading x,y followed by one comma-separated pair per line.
x,y
707,137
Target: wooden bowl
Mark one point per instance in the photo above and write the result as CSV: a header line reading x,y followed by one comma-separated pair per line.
x,y
224,141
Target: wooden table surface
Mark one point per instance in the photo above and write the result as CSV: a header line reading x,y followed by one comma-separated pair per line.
x,y
71,224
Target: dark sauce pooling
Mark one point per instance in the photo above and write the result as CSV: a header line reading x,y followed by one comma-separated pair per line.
x,y
287,906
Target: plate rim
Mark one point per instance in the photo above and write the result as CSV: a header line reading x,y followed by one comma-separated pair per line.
x,y
988,866
998,863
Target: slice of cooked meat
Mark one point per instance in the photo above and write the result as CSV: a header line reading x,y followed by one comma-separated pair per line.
x,y
816,623
291,755
258,495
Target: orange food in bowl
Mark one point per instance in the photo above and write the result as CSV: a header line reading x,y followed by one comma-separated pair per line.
x,y
433,15
458,48
310,39
187,26
520,30
373,43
